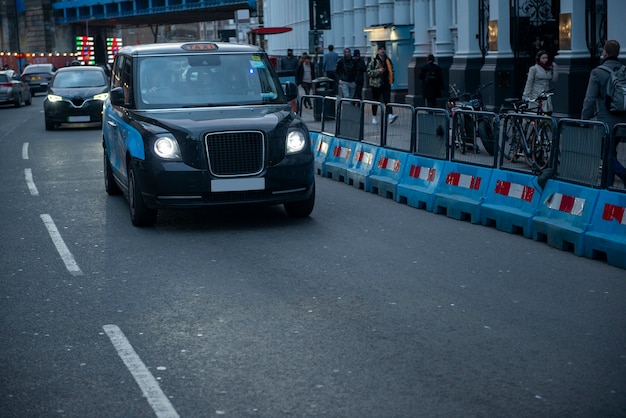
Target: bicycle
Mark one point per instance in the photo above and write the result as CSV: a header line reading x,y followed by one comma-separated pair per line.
x,y
527,138
470,126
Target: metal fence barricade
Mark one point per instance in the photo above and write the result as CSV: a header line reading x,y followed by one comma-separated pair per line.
x,y
616,180
474,137
399,133
307,113
580,156
329,109
373,132
431,133
350,120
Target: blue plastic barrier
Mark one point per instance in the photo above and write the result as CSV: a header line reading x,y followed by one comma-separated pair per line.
x,y
564,215
511,202
607,230
420,181
386,173
338,159
361,164
462,191
323,143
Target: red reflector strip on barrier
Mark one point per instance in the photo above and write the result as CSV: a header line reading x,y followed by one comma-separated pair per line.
x,y
564,203
322,147
463,180
614,212
515,190
342,152
389,164
422,173
363,157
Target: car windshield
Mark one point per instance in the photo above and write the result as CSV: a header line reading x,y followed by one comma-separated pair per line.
x,y
75,79
201,80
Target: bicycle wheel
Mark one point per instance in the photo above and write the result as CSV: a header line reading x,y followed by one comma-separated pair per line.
x,y
485,132
511,141
459,133
541,146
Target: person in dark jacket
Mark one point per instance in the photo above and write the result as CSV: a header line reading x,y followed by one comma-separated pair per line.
x,y
594,105
346,74
361,68
305,74
432,81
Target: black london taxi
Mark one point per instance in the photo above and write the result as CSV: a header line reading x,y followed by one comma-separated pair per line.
x,y
199,124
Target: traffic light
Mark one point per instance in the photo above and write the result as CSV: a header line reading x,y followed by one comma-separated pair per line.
x,y
319,14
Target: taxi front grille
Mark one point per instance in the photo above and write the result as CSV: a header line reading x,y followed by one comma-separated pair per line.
x,y
235,153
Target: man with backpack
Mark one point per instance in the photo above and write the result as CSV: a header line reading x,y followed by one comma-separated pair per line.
x,y
346,73
432,81
605,97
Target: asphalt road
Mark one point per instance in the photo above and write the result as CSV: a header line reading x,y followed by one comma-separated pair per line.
x,y
369,308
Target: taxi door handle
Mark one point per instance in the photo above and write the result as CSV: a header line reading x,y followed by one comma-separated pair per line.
x,y
112,124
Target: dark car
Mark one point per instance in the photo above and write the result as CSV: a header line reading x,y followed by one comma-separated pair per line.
x,y
13,89
200,124
76,95
37,76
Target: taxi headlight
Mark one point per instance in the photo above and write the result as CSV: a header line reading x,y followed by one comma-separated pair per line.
x,y
167,148
54,98
296,141
101,96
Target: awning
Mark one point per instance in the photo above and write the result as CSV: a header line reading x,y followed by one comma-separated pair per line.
x,y
271,31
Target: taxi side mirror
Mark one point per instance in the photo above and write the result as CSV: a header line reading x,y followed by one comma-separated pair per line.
x,y
117,96
291,90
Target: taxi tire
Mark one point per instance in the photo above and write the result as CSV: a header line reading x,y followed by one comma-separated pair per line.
x,y
110,185
301,209
140,214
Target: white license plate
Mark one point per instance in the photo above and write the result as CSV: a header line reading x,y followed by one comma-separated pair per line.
x,y
237,185
78,119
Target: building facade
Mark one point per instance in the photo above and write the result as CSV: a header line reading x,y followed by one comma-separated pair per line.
x,y
475,41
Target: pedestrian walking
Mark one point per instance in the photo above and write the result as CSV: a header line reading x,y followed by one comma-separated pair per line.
x,y
305,74
380,71
595,103
361,68
539,78
346,74
330,63
432,81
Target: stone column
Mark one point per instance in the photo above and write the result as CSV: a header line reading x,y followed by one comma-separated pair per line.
x,y
498,67
421,43
573,64
468,59
360,41
348,26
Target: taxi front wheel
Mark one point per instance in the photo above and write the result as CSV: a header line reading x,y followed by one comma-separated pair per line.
x,y
140,214
301,209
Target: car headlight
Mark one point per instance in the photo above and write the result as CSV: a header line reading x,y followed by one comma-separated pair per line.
x,y
296,141
101,96
54,98
166,148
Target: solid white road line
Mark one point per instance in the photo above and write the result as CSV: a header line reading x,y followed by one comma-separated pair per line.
x,y
25,151
28,173
148,384
64,252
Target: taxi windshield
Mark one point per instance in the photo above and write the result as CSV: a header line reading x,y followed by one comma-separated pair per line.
x,y
204,80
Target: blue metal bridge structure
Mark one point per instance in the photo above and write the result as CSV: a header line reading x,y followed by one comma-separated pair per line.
x,y
146,12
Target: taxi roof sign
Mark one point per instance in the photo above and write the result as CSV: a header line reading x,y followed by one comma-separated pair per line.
x,y
200,46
